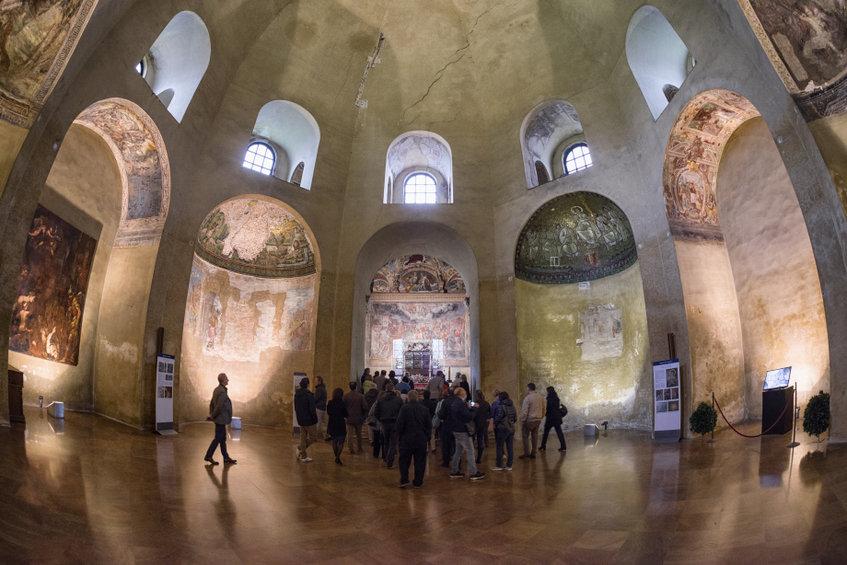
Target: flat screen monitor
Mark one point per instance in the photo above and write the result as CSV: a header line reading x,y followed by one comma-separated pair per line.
x,y
777,378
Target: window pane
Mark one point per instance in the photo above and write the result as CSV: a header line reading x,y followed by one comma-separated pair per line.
x,y
577,158
259,157
420,188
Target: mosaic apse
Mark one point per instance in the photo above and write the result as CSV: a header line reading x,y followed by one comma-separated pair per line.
x,y
573,238
691,163
47,314
418,317
256,237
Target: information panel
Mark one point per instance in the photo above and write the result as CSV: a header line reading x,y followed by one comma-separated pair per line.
x,y
667,401
164,392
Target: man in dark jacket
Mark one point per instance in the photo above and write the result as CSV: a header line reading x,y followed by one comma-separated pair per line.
x,y
220,412
357,410
414,426
387,410
307,418
445,434
460,417
320,407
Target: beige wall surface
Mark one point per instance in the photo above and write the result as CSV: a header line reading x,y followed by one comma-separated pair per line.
x,y
776,280
616,386
11,139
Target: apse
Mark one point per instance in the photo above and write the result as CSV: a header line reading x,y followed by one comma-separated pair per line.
x,y
418,319
552,138
251,309
752,295
581,315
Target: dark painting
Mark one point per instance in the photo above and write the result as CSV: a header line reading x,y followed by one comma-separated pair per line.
x,y
47,315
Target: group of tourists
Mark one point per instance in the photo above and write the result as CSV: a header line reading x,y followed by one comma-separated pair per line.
x,y
406,424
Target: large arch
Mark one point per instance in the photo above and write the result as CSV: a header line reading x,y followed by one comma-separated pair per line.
x,y
580,311
418,152
296,137
405,239
251,309
751,289
109,335
546,133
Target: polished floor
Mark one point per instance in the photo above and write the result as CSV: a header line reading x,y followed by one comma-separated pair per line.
x,y
91,490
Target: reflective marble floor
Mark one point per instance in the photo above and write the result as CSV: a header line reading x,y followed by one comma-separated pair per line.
x,y
96,491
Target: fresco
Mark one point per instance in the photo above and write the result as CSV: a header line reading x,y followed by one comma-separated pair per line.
x,y
544,129
238,317
418,273
47,314
36,39
601,332
416,322
691,163
139,153
807,42
256,237
575,237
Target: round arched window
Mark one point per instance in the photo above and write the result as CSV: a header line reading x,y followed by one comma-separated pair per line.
x,y
259,157
419,188
577,158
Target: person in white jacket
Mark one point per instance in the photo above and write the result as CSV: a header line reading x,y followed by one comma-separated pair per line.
x,y
532,412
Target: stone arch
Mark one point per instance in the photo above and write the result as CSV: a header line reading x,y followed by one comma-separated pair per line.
x,y
405,239
251,309
292,129
418,152
723,279
546,131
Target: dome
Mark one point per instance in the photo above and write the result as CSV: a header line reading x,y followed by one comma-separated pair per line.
x,y
256,237
574,238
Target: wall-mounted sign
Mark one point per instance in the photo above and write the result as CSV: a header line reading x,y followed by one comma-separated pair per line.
x,y
165,393
667,400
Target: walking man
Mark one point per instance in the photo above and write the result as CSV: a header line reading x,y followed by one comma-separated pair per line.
x,y
414,426
307,418
220,412
460,417
532,412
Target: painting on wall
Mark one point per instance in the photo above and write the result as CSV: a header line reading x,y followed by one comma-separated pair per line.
x,y
38,37
47,314
573,238
418,274
417,322
807,42
601,332
691,162
256,237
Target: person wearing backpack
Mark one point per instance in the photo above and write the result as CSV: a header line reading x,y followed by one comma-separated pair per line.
x,y
505,417
461,422
555,414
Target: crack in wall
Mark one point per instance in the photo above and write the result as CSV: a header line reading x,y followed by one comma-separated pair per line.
x,y
373,61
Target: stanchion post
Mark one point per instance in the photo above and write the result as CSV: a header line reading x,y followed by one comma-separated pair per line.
x,y
794,443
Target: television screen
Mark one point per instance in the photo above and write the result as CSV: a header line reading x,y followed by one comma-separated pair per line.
x,y
777,378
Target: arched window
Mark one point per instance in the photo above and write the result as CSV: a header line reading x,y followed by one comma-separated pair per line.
x,y
657,57
541,172
577,158
297,176
295,135
259,157
141,68
547,132
669,91
419,188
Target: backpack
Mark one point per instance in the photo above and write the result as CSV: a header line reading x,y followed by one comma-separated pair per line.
x,y
436,418
509,418
563,409
442,411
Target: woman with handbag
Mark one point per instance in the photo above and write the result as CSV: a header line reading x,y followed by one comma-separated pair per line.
x,y
555,415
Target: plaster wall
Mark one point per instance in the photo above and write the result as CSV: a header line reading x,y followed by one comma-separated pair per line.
x,y
714,328
11,139
257,330
831,136
617,388
84,189
776,280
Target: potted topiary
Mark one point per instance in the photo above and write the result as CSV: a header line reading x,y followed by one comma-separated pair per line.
x,y
703,420
816,415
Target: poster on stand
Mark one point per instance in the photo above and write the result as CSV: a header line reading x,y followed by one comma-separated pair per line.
x,y
165,393
667,401
297,378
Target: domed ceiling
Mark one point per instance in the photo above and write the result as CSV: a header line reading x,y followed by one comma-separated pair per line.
x,y
256,237
574,238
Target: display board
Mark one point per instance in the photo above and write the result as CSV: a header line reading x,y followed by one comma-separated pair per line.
x,y
667,400
164,393
297,378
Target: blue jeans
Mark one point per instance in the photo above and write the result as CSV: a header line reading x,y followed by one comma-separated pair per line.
x,y
507,440
220,439
464,443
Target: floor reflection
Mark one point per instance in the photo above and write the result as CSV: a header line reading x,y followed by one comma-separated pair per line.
x,y
98,491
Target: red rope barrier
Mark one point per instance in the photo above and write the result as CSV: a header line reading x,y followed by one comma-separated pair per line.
x,y
741,433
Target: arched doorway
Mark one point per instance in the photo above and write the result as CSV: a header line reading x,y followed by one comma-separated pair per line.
x,y
580,311
79,314
752,294
251,310
417,283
